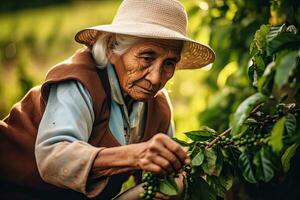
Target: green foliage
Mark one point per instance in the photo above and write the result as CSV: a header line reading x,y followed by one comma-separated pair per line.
x,y
245,165
243,111
265,123
201,135
261,99
34,39
200,190
290,124
285,66
283,39
286,157
198,158
264,165
212,164
168,187
259,43
277,134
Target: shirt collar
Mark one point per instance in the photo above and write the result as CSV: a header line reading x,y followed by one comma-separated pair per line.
x,y
114,85
135,121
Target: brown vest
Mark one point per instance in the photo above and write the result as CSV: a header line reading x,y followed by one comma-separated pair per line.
x,y
19,177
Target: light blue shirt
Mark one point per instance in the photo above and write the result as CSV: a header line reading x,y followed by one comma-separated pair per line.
x,y
69,114
127,128
63,155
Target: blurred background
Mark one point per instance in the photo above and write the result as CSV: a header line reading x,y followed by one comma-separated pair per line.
x,y
37,34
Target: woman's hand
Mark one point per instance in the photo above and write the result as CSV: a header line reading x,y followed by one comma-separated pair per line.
x,y
160,155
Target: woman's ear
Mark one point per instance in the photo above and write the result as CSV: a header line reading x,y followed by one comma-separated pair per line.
x,y
112,57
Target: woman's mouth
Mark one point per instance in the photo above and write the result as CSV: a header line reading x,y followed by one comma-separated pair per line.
x,y
146,90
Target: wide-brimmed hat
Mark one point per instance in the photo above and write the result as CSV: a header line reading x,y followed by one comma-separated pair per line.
x,y
158,19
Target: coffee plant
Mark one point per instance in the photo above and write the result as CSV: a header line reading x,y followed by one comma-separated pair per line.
x,y
264,131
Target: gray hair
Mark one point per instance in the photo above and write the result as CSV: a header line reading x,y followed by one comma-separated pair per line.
x,y
120,44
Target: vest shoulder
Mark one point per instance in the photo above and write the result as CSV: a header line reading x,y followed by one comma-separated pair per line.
x,y
162,97
80,67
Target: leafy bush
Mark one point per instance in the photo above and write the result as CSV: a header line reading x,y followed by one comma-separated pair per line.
x,y
253,128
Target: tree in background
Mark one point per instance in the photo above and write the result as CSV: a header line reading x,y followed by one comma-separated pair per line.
x,y
247,147
256,84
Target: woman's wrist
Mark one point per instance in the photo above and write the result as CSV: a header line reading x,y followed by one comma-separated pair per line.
x,y
125,157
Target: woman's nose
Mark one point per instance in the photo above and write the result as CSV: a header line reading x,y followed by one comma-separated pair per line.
x,y
154,74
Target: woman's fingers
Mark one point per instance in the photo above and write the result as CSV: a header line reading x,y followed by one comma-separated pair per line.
x,y
160,155
150,166
172,159
175,149
164,163
164,152
172,147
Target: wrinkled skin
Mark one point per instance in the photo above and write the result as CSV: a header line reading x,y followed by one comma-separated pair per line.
x,y
146,67
142,71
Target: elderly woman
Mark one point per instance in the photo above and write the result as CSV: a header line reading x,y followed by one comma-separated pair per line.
x,y
103,114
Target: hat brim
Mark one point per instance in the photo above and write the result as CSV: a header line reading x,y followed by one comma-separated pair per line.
x,y
194,55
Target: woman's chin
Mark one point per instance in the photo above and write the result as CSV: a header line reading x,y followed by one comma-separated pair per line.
x,y
141,96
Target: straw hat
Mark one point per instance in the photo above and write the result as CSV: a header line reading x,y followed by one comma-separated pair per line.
x,y
161,19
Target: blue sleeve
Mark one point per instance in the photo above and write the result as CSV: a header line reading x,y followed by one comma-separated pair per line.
x,y
68,116
63,156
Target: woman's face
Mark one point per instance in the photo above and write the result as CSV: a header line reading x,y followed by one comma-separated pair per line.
x,y
146,66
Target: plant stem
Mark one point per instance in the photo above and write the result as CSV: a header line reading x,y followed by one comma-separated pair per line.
x,y
256,109
218,138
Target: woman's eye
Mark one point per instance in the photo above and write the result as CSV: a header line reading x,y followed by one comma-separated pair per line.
x,y
147,58
170,64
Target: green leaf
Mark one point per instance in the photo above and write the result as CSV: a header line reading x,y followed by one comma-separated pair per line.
x,y
251,73
284,67
290,124
212,164
198,159
181,142
264,166
286,157
285,40
210,160
226,176
203,134
193,151
275,31
276,135
294,137
168,186
246,167
259,42
219,163
265,82
243,111
251,121
200,190
221,184
260,65
253,49
216,183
